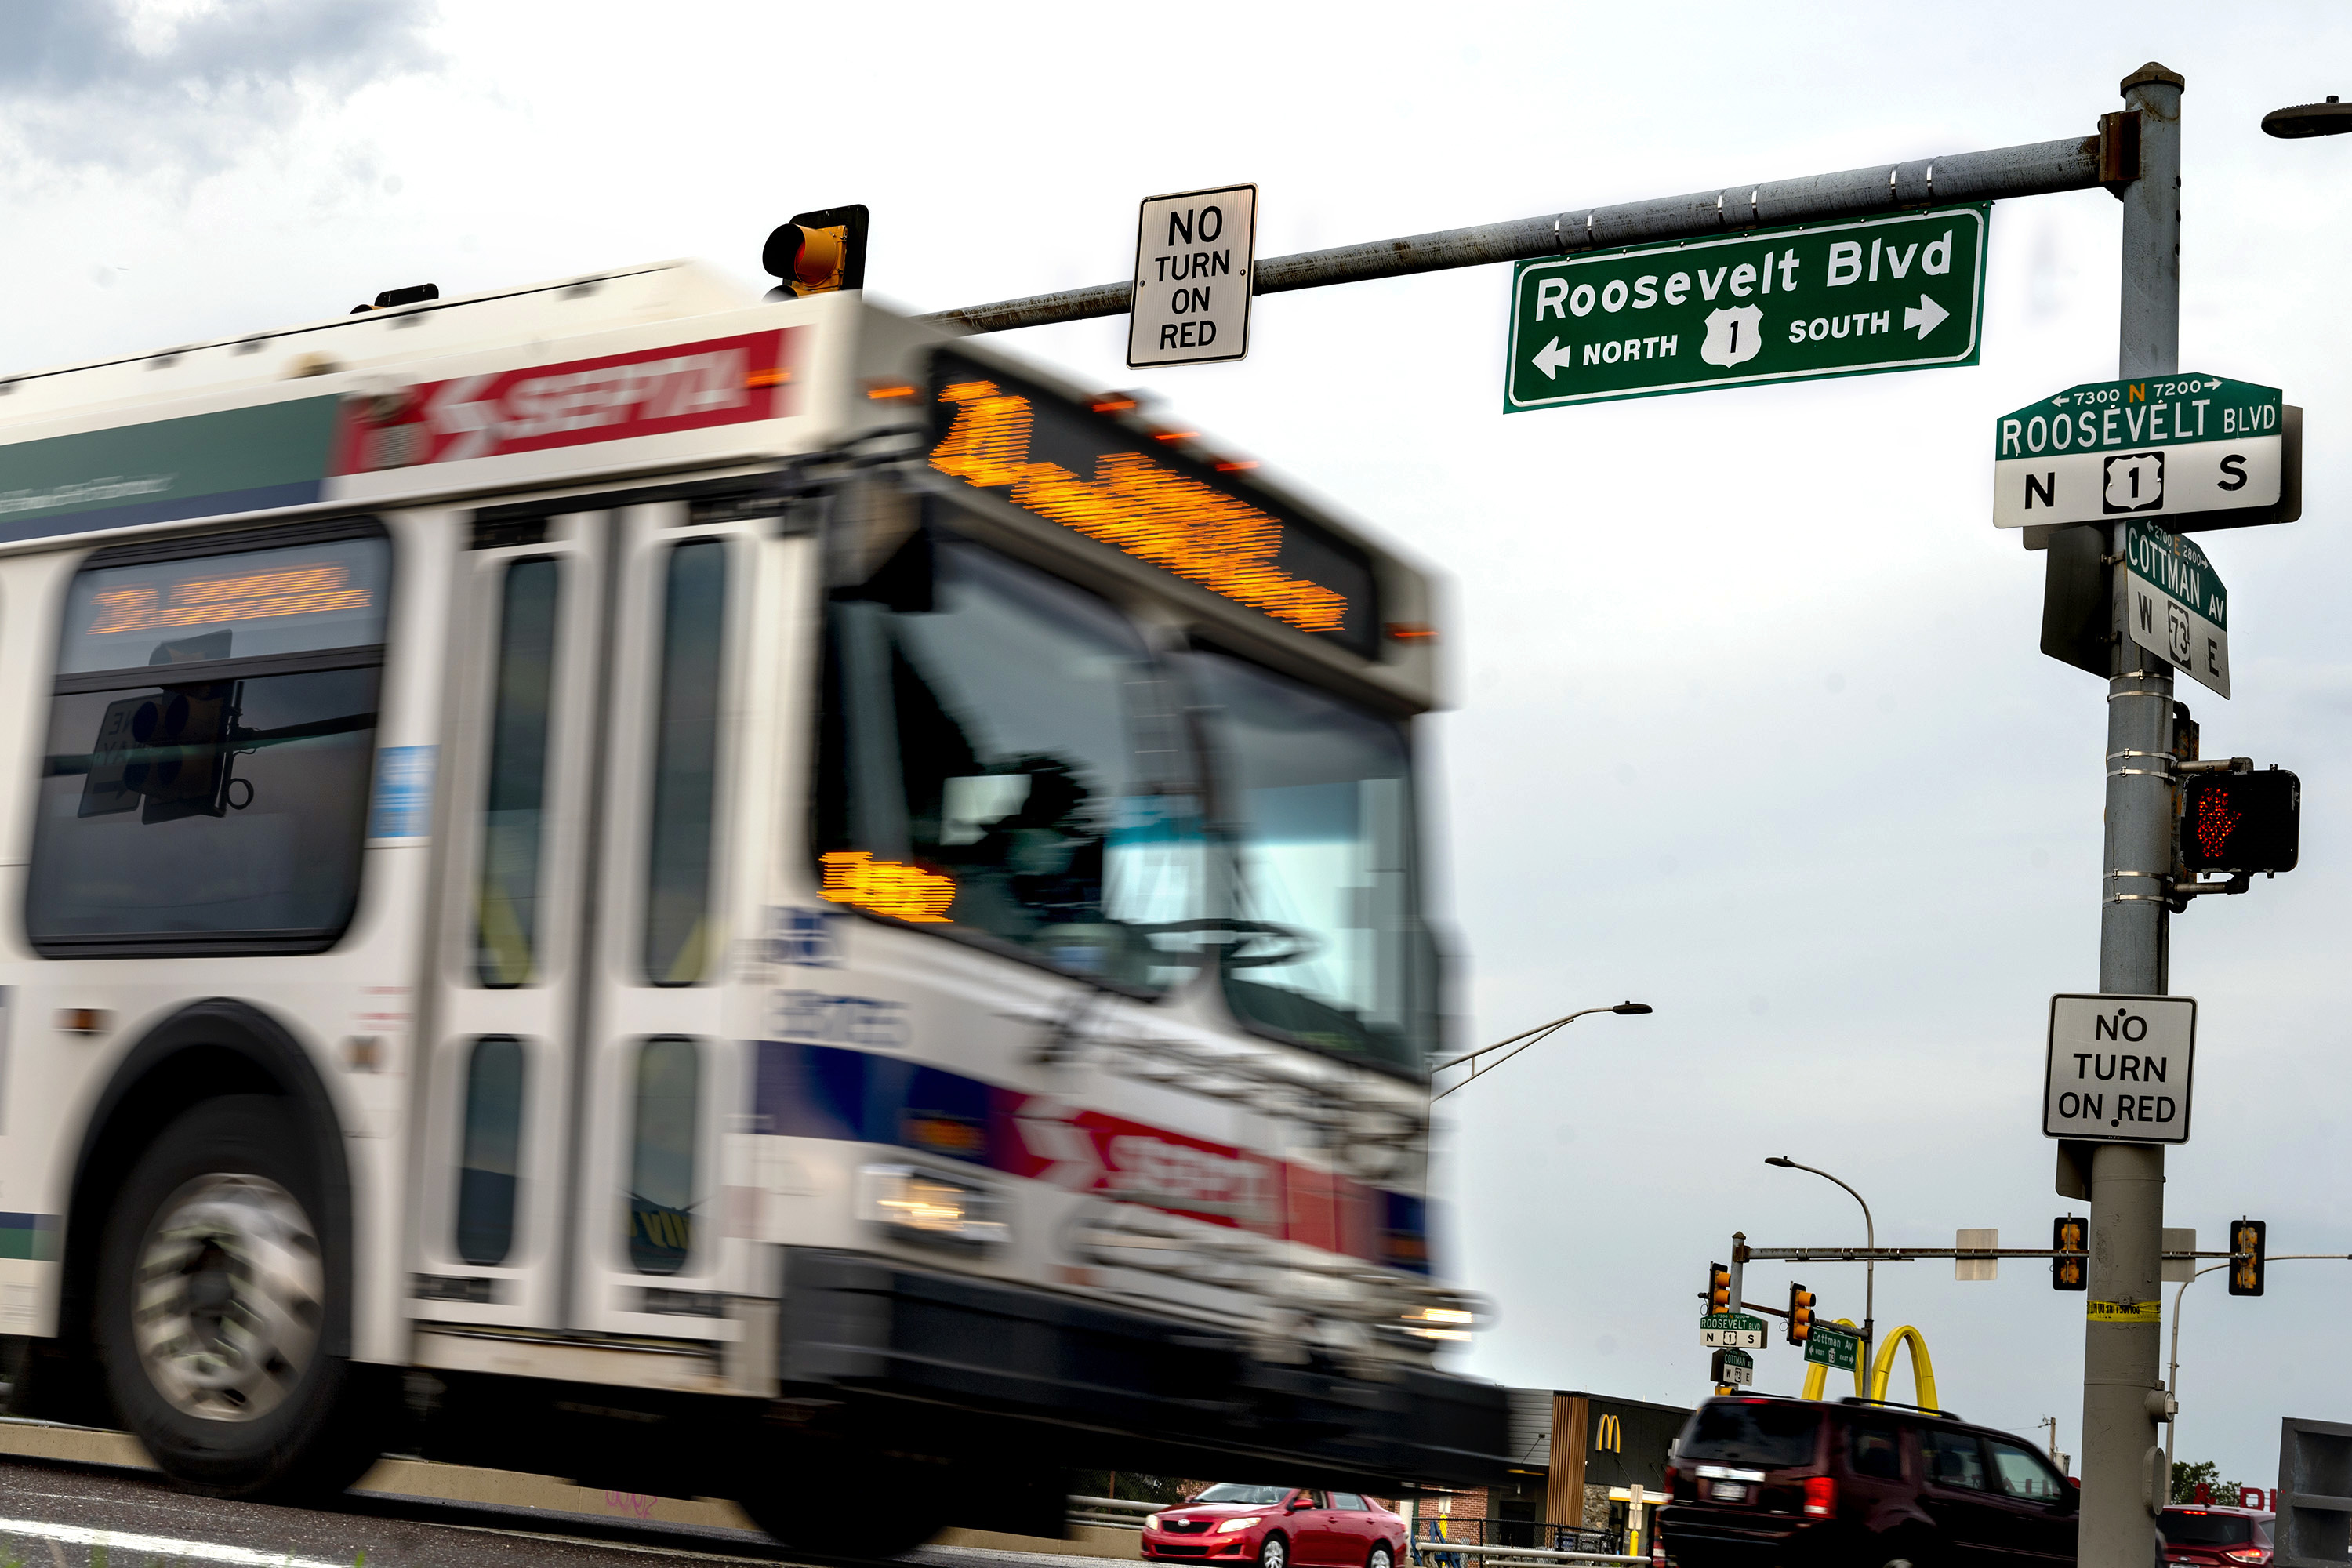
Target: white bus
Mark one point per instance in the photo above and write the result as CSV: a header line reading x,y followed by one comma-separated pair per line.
x,y
714,896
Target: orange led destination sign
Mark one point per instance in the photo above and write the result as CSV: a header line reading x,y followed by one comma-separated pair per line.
x,y
1093,475
213,601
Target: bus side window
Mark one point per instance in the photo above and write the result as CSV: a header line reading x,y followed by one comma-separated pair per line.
x,y
210,739
677,945
492,1162
662,1160
506,917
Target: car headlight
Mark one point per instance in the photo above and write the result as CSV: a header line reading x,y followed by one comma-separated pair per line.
x,y
1150,1522
920,1204
1242,1523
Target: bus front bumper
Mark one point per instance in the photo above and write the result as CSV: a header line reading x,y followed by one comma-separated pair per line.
x,y
854,1324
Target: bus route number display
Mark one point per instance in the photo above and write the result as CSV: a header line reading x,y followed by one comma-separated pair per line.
x,y
1086,472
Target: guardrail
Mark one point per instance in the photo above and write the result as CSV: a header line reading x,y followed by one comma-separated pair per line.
x,y
1447,1551
1115,1511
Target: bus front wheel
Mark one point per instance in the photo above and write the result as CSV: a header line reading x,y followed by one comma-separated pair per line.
x,y
213,1304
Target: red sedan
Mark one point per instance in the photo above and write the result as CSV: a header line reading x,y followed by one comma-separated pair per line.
x,y
1276,1527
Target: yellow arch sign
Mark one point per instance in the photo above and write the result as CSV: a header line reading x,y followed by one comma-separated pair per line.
x,y
1882,1369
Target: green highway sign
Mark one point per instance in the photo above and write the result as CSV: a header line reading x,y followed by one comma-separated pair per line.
x,y
1735,1368
2178,608
1904,291
2165,447
1828,1347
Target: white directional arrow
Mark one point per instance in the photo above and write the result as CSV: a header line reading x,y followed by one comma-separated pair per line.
x,y
2214,384
1552,357
1926,316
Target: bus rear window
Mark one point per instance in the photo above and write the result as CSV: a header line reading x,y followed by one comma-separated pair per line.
x,y
1766,1435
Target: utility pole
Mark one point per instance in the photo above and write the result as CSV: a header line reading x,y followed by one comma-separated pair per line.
x,y
2123,1399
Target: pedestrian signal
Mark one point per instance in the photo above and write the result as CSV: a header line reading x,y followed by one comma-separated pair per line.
x,y
2242,822
818,252
1718,1290
1801,1314
2247,1239
2070,1239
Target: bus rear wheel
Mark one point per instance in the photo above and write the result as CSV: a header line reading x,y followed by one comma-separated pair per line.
x,y
214,1285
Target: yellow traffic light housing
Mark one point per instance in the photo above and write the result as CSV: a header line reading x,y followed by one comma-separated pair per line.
x,y
2248,1238
2070,1247
1718,1290
1801,1314
817,252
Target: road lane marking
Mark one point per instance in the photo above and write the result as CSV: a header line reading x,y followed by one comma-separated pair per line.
x,y
162,1545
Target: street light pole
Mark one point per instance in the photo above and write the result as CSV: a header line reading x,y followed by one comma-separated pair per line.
x,y
2172,1369
1870,1267
1523,1039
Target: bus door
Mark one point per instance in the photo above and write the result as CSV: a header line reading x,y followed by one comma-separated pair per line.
x,y
501,1081
585,1066
688,795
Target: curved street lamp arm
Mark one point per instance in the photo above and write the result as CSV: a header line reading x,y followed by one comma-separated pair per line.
x,y
1869,1228
1522,1035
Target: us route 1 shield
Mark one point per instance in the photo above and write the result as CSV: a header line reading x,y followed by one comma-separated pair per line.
x,y
2178,608
1731,1330
2120,1068
1903,291
2163,447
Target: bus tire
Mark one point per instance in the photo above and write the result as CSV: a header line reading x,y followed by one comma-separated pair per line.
x,y
213,1301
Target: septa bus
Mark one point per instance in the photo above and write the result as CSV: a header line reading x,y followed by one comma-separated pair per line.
x,y
711,897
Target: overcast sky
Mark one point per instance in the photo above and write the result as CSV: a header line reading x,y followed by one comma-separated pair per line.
x,y
1750,722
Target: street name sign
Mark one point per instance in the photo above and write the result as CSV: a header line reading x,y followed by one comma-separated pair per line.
x,y
1829,1348
2179,609
1731,1330
1193,252
2120,1068
1735,1368
1905,291
2162,448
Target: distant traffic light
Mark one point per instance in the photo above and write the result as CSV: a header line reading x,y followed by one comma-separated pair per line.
x,y
2247,1239
1801,1314
1718,1290
2070,1239
818,252
2241,822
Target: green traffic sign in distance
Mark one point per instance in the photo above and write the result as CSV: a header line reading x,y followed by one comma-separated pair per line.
x,y
1905,291
2160,447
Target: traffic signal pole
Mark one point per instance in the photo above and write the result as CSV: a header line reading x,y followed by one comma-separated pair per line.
x,y
2124,1485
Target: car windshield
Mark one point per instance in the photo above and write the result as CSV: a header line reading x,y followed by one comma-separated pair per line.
x,y
2190,1527
1231,1491
1315,800
1766,1433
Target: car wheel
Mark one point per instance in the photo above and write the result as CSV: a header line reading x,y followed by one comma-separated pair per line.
x,y
1902,1552
1275,1553
215,1291
1382,1557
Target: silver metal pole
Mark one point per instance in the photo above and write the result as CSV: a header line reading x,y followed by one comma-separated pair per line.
x,y
2036,169
2122,1398
2172,1373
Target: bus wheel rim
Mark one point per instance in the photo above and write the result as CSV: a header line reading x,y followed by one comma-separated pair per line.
x,y
229,1297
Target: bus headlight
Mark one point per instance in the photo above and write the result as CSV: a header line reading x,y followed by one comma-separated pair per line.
x,y
1440,1322
925,1205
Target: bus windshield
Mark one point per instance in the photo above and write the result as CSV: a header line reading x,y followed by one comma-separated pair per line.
x,y
1314,804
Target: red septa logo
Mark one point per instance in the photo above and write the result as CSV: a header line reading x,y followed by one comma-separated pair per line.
x,y
651,392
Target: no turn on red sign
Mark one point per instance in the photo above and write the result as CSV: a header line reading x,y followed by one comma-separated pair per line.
x,y
1193,255
2120,1068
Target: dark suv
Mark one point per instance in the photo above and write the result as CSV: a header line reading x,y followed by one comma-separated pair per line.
x,y
1758,1480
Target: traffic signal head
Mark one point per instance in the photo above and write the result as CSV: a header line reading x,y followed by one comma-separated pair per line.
x,y
1801,1314
818,252
2241,822
2247,1239
1718,1289
2070,1239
